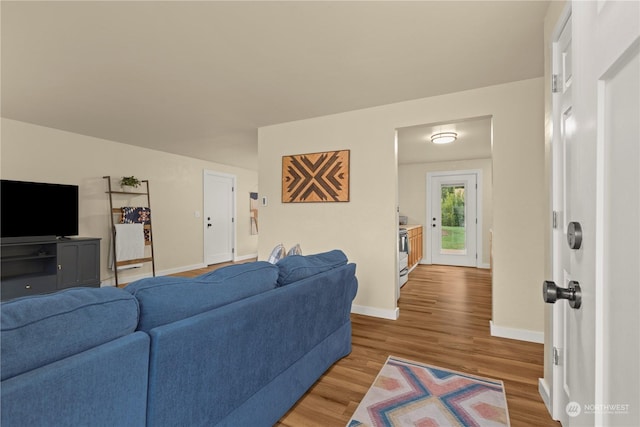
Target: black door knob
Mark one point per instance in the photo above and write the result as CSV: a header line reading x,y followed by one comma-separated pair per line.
x,y
574,235
552,293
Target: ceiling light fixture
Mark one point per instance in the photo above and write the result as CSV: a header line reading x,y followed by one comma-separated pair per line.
x,y
444,137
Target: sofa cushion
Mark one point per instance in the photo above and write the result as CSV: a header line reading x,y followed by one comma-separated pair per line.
x,y
41,329
297,267
238,351
167,299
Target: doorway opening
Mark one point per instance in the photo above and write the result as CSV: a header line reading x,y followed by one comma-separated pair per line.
x,y
470,153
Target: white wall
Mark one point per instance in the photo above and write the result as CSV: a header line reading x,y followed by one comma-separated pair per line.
x,y
412,195
366,227
36,153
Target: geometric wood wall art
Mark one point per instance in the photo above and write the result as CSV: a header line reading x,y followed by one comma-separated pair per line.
x,y
316,177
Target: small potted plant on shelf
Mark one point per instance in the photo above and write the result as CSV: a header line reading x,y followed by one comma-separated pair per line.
x,y
128,183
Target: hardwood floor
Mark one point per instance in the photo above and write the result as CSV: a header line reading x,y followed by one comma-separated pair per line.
x,y
444,321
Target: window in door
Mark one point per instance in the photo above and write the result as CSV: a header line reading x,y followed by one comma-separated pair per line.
x,y
453,233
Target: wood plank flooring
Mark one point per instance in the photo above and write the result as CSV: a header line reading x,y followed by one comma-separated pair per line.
x,y
444,321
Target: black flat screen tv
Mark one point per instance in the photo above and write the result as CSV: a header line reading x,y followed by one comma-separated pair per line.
x,y
31,210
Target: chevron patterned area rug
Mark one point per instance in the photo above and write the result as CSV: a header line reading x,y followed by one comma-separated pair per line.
x,y
407,393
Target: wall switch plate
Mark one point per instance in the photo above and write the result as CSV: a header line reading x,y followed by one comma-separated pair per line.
x,y
264,200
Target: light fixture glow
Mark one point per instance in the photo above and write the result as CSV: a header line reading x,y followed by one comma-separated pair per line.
x,y
444,137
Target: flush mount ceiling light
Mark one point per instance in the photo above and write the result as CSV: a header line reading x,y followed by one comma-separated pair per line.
x,y
444,137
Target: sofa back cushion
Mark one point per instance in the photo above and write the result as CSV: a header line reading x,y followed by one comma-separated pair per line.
x,y
41,329
242,351
298,267
167,299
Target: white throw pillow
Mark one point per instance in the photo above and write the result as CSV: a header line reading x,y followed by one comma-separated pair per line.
x,y
277,254
295,250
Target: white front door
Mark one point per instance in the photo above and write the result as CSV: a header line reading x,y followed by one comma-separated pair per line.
x,y
597,186
219,225
452,219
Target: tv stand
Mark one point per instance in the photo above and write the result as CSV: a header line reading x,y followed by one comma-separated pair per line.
x,y
37,266
27,239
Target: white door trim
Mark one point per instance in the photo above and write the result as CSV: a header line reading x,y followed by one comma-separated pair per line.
x,y
206,172
615,51
428,235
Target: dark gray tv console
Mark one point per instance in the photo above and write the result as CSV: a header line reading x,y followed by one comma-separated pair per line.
x,y
35,266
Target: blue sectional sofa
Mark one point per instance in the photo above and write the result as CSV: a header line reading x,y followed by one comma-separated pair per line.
x,y
234,347
73,358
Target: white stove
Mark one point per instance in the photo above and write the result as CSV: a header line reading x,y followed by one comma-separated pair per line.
x,y
403,266
403,259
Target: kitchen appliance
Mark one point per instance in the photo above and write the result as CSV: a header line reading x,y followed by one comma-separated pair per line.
x,y
403,243
403,266
403,258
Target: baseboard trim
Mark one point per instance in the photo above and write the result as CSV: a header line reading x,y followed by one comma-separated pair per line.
x,y
484,266
516,334
245,257
375,312
543,390
112,281
181,269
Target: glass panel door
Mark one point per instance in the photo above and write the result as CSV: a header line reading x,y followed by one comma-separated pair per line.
x,y
453,220
452,207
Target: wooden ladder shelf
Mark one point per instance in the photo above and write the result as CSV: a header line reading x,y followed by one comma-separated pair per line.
x,y
117,212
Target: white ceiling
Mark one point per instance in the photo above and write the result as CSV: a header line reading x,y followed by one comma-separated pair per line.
x,y
198,78
473,142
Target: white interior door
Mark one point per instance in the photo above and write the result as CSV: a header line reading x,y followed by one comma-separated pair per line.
x,y
453,219
596,185
563,123
219,225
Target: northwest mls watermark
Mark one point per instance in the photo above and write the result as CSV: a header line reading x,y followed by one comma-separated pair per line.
x,y
574,408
